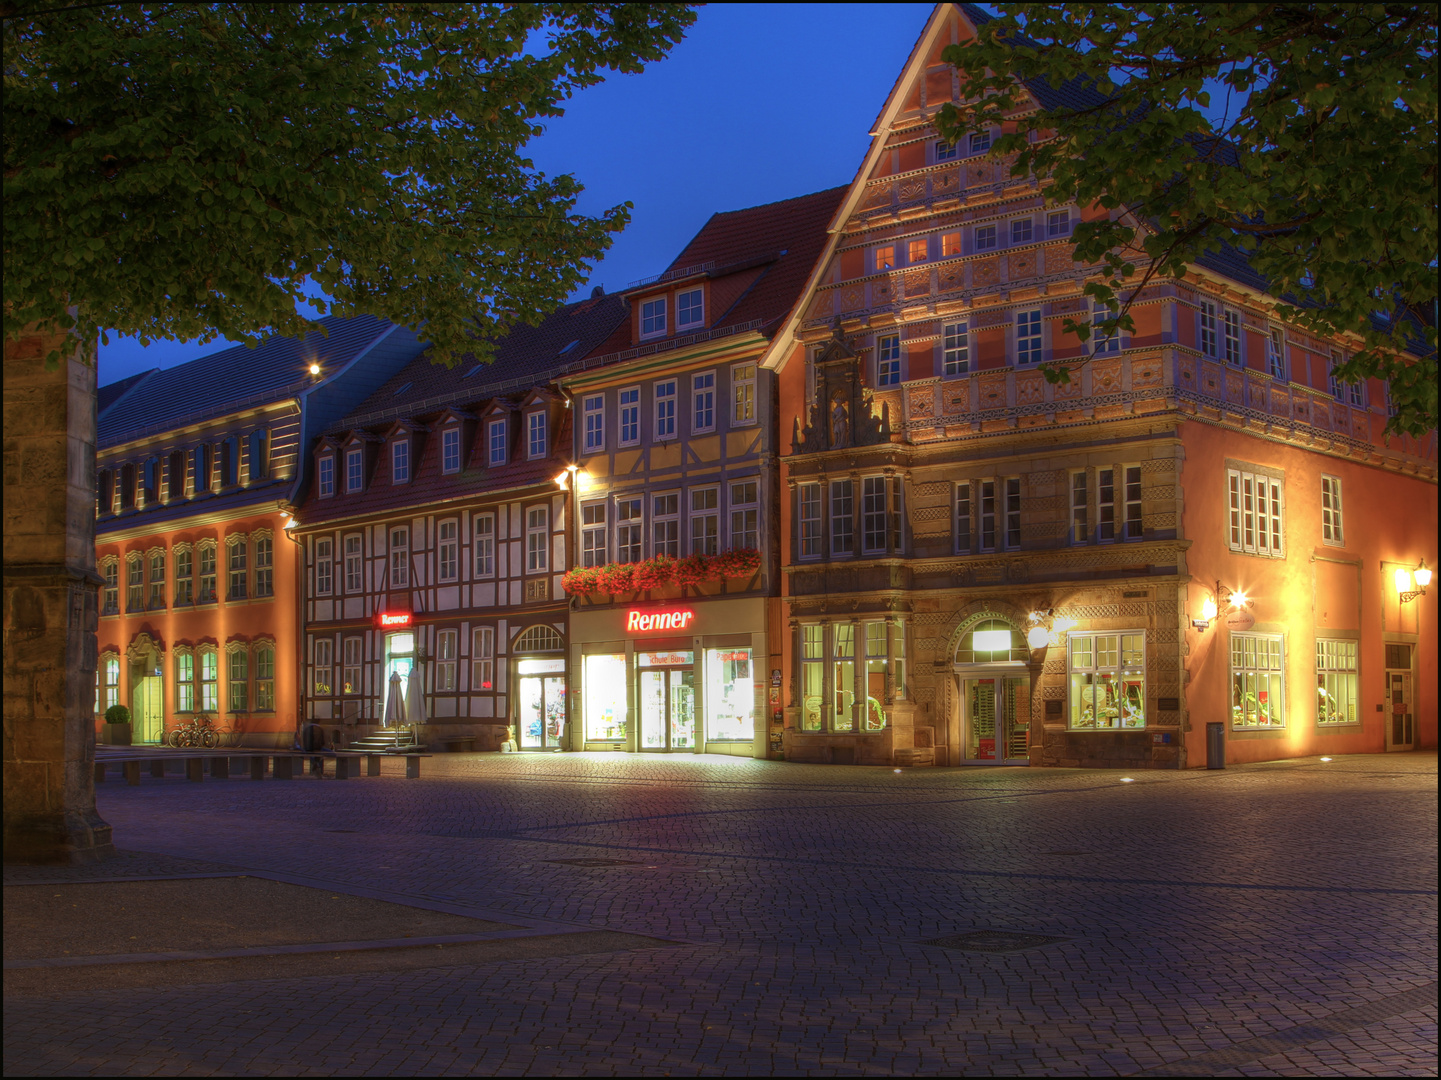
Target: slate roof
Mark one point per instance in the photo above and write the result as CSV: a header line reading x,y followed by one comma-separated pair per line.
x,y
109,394
224,381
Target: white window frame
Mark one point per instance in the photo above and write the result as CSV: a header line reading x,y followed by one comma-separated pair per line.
x,y
322,666
1332,523
354,551
1011,536
743,395
745,511
1208,339
653,318
354,470
400,461
697,308
988,535
1133,520
1019,225
665,523
593,408
398,555
1080,489
447,545
446,648
986,238
537,435
352,664
1030,347
1276,353
482,660
702,397
1096,661
1256,513
888,360
944,151
1231,325
629,416
484,553
1251,667
956,349
809,514
980,142
875,515
497,450
704,520
1102,343
1338,677
1058,223
594,537
629,528
1106,506
324,567
450,450
962,535
325,476
843,519
666,394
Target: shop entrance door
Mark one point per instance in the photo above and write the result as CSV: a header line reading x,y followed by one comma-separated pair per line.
x,y
1401,714
995,718
148,713
667,709
542,711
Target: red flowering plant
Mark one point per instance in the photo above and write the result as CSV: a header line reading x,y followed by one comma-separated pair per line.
x,y
738,562
581,580
654,573
617,577
693,569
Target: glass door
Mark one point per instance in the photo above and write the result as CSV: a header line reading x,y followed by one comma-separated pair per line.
x,y
996,718
1401,723
542,703
667,703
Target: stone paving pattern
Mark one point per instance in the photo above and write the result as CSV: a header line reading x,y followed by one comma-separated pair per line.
x,y
1200,910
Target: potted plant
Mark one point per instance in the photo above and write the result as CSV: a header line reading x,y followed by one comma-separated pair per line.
x,y
117,730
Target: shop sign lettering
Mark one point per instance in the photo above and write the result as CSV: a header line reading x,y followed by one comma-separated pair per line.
x,y
646,621
392,618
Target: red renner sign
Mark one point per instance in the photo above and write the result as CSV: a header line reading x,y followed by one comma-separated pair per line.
x,y
392,618
647,621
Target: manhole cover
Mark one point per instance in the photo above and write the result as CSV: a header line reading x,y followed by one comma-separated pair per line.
x,y
994,941
595,862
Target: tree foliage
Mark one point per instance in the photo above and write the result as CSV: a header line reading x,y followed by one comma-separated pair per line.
x,y
1301,135
182,170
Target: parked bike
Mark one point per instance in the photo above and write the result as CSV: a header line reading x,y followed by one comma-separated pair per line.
x,y
198,732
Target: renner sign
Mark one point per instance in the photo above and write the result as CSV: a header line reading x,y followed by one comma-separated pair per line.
x,y
392,618
641,621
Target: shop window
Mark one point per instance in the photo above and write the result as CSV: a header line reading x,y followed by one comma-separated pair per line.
x,y
209,681
327,477
1257,682
354,570
400,558
400,461
843,677
812,676
702,396
877,662
690,309
265,678
157,581
705,521
745,511
900,688
1080,529
323,668
537,539
448,545
957,348
809,496
236,569
592,534
992,641
630,416
264,567
324,568
627,530
184,682
482,658
730,695
1108,681
665,525
111,604
445,652
594,410
743,394
450,450
184,574
1256,524
1331,532
842,518
1337,689
963,518
484,545
605,697
351,665
239,680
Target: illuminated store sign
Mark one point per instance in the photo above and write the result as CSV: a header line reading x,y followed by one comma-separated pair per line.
x,y
645,621
392,618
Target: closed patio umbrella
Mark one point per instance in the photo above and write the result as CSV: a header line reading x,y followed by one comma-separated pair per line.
x,y
394,703
415,700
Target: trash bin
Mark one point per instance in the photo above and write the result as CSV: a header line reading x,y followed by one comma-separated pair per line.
x,y
1215,746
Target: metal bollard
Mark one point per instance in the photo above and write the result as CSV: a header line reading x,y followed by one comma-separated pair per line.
x,y
195,769
412,766
157,768
132,773
1215,746
284,767
372,764
257,767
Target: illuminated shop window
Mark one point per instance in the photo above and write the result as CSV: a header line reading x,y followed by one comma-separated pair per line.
x,y
730,695
1107,681
812,676
605,698
1257,681
843,678
1337,682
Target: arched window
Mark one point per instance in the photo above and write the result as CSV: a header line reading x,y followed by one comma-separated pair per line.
x,y
992,641
539,639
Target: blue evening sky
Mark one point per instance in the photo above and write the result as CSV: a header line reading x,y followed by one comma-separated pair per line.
x,y
760,102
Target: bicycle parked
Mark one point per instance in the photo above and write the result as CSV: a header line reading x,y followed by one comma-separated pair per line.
x,y
198,732
230,734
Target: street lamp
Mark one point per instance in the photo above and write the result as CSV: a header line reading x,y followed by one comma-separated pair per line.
x,y
1210,606
1412,583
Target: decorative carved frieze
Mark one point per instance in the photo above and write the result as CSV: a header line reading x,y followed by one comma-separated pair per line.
x,y
1022,265
985,272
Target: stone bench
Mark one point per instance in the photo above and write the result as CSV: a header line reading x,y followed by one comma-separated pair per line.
x,y
347,764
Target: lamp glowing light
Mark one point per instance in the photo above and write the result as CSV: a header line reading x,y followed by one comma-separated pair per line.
x,y
1325,759
1422,575
315,369
1128,779
1208,608
1239,599
1403,580
1037,637
562,480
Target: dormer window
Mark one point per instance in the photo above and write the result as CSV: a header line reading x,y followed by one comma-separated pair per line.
x,y
652,318
175,478
400,461
229,463
945,151
127,487
450,450
495,439
201,464
980,142
327,477
690,309
107,491
150,482
259,455
535,441
354,469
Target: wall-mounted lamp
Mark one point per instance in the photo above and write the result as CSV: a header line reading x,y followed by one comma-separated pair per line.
x,y
1211,605
1038,635
1412,583
315,369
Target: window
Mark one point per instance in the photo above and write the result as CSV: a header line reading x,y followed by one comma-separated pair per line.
x,y
200,463
918,251
1058,223
112,588
1337,387
495,434
1356,393
400,461
842,518
484,545
812,676
945,151
264,566
327,477
265,678
448,540
885,258
229,463
1331,531
350,668
963,517
157,581
1106,504
236,570
1255,521
843,679
980,142
1257,682
127,487
1028,337
594,410
690,309
259,455
665,409
1021,231
665,525
874,534
652,318
950,244
702,396
1133,502
209,681
1108,681
134,583
535,441
743,394
239,681
110,685
1013,512
537,539
354,469
482,658
873,718
1337,690
400,558
627,531
630,416
354,577
985,238
705,521
1275,354
323,672
1103,341
1208,328
184,682
605,697
810,519
175,476
1233,337
745,512
450,450
592,534
1079,501
323,568
988,515
956,345
184,571
150,482
888,361
445,652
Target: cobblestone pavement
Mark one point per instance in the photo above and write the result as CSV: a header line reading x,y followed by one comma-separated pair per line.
x,y
1268,920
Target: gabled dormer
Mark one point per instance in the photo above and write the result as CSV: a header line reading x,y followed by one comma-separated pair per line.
x,y
499,422
456,429
540,419
359,450
328,461
403,443
675,305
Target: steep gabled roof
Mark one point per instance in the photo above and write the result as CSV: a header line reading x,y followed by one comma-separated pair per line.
x,y
109,394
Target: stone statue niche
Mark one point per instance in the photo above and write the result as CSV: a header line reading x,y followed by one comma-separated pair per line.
x,y
843,413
